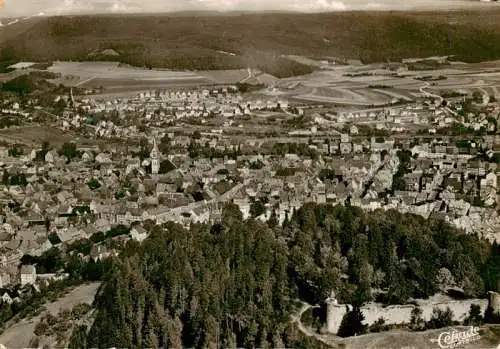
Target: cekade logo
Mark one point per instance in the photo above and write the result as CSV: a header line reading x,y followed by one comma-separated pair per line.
x,y
454,339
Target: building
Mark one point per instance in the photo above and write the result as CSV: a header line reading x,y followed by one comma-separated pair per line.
x,y
155,158
28,275
138,233
335,313
4,280
6,298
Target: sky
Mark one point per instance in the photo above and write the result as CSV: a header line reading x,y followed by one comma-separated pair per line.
x,y
54,7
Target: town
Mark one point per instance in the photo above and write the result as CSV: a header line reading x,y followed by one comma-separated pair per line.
x,y
111,168
180,155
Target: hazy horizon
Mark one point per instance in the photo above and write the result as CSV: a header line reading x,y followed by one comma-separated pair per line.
x,y
62,7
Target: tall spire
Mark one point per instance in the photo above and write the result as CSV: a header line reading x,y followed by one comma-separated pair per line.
x,y
155,152
155,158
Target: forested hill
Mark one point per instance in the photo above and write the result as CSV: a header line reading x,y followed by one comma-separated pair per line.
x,y
236,283
201,41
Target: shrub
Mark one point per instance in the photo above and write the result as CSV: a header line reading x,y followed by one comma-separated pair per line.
x,y
41,328
475,318
416,321
440,318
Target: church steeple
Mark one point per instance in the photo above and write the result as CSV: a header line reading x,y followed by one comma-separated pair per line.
x,y
155,152
155,158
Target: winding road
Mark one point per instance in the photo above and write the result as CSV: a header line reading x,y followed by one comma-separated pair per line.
x,y
250,75
296,319
430,94
433,95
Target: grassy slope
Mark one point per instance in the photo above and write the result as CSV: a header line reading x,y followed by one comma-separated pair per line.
x,y
489,339
191,41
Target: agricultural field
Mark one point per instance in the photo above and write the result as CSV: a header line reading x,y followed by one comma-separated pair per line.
x,y
365,85
35,135
115,70
118,78
230,76
355,85
124,85
266,79
112,75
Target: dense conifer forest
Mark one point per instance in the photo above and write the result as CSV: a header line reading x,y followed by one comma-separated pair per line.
x,y
195,41
237,282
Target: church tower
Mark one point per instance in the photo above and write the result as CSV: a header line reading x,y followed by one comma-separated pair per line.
x,y
155,158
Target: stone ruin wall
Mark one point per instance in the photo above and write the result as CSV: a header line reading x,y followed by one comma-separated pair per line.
x,y
399,314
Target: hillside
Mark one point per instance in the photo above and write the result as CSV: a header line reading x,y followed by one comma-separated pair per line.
x,y
234,284
20,334
197,41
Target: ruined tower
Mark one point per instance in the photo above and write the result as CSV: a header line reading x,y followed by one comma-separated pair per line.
x,y
334,313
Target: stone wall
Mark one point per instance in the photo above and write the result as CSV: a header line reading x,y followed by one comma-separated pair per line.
x,y
399,314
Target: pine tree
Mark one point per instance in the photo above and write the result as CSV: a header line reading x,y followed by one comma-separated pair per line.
x,y
5,178
273,219
352,323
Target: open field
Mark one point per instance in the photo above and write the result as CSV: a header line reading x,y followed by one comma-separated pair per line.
x,y
113,76
369,85
266,79
113,70
20,334
230,76
356,85
117,78
4,77
124,85
33,136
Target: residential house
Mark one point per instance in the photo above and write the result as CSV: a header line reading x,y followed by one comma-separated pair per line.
x,y
51,156
100,252
28,275
68,235
488,188
6,298
87,156
244,206
4,279
200,215
138,233
345,147
453,182
412,181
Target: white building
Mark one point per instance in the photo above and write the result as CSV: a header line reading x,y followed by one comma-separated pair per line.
x,y
28,275
6,298
138,233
